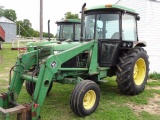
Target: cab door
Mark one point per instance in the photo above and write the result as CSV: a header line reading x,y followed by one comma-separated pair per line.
x,y
109,36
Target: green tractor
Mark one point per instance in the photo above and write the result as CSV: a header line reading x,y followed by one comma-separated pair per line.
x,y
68,29
108,46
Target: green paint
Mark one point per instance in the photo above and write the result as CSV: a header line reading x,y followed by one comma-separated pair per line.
x,y
69,21
114,6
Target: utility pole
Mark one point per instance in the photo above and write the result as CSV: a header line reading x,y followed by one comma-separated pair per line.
x,y
41,19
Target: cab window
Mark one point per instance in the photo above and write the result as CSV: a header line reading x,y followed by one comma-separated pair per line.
x,y
129,28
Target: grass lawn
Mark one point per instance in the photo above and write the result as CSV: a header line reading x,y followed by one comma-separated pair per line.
x,y
113,105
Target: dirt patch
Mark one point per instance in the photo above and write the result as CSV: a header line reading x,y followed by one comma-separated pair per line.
x,y
153,87
4,86
7,68
1,75
151,80
153,106
4,76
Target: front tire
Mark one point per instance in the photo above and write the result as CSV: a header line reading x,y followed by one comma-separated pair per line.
x,y
30,87
85,98
132,71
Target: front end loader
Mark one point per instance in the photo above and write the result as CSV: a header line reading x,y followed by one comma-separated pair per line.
x,y
108,46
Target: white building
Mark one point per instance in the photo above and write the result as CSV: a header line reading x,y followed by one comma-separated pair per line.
x,y
9,27
148,27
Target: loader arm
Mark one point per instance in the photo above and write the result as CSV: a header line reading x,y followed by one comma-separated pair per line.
x,y
48,67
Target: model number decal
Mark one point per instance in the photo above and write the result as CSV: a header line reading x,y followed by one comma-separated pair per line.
x,y
53,64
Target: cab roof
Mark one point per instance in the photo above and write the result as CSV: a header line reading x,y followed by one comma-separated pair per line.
x,y
110,7
69,21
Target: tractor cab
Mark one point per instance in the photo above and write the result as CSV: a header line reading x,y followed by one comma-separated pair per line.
x,y
115,28
68,29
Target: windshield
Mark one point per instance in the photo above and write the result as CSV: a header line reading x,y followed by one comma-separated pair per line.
x,y
65,32
77,31
102,26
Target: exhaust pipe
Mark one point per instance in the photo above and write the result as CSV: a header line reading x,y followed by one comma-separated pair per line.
x,y
82,21
49,30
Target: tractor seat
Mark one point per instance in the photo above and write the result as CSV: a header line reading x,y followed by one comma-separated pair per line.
x,y
115,35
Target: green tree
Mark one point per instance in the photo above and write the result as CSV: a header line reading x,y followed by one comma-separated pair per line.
x,y
45,34
1,12
26,23
69,15
10,14
25,28
36,34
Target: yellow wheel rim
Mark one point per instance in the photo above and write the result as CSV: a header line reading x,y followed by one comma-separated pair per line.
x,y
89,99
139,71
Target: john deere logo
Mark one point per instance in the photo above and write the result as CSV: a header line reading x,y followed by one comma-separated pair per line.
x,y
53,64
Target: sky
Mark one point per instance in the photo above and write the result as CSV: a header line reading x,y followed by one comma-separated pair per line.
x,y
53,11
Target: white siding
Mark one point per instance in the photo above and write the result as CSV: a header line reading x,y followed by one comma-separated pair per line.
x,y
9,27
148,28
10,31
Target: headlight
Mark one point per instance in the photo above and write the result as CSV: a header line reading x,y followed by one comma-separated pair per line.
x,y
124,44
129,45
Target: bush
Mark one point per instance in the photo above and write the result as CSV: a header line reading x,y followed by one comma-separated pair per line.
x,y
154,75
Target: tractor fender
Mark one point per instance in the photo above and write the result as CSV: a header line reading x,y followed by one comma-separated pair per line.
x,y
139,44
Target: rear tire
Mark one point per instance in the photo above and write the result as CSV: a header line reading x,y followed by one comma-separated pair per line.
x,y
132,71
85,98
30,87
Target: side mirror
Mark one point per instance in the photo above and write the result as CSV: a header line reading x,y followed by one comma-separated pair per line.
x,y
138,18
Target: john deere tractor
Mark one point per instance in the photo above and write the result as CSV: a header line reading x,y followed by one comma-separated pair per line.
x,y
108,45
68,29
